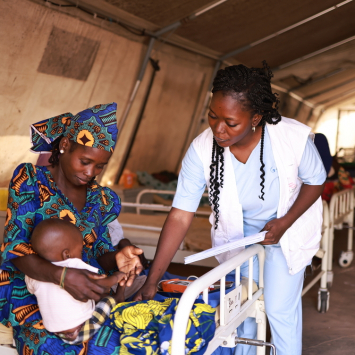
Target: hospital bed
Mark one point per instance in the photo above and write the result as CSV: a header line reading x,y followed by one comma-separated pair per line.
x,y
341,215
245,300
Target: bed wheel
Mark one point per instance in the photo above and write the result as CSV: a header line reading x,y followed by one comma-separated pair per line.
x,y
323,301
346,257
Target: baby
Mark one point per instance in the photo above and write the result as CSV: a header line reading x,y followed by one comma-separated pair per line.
x,y
61,243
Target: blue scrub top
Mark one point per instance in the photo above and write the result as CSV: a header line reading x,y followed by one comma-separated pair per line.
x,y
256,212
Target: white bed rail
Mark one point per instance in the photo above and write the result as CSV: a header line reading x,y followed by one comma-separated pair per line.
x,y
225,334
341,211
166,208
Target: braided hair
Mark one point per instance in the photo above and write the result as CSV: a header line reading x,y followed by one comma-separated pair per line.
x,y
252,88
54,158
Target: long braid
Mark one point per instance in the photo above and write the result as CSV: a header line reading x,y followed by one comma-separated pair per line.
x,y
216,179
213,163
257,97
262,176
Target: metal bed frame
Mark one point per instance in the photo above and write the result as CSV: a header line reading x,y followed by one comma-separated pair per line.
x,y
341,215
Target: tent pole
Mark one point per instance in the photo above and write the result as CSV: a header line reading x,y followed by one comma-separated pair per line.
x,y
155,65
207,97
136,86
337,137
329,89
313,54
316,80
277,33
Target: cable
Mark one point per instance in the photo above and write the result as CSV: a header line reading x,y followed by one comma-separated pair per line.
x,y
126,27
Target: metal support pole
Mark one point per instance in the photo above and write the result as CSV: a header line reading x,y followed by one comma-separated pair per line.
x,y
333,98
275,34
207,97
136,86
320,78
329,89
337,136
313,54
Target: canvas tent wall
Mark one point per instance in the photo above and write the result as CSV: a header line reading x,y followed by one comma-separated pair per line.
x,y
59,59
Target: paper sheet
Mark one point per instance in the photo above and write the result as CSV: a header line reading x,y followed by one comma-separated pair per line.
x,y
252,239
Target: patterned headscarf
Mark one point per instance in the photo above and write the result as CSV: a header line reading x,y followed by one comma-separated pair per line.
x,y
94,127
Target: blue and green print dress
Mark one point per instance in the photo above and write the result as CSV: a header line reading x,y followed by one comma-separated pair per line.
x,y
34,197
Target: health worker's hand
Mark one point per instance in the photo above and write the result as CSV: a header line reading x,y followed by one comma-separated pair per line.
x,y
146,292
128,261
276,229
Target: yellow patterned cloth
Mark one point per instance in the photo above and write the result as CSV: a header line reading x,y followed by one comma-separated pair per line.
x,y
146,327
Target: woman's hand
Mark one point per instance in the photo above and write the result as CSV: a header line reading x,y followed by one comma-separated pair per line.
x,y
146,292
84,285
128,261
276,229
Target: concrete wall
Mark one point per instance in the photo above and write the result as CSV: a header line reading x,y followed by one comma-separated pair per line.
x,y
37,81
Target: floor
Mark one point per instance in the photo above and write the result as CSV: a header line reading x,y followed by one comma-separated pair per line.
x,y
331,333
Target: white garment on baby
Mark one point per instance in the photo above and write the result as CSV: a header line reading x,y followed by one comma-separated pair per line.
x,y
59,310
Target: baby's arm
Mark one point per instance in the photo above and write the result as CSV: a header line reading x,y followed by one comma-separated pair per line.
x,y
101,313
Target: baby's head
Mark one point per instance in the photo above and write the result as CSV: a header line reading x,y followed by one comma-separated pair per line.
x,y
56,240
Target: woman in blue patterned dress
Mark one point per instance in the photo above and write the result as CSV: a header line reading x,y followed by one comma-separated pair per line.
x,y
81,146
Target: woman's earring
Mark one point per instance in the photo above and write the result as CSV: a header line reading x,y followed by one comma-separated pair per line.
x,y
61,151
253,128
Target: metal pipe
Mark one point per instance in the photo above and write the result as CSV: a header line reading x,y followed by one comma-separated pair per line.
x,y
320,78
313,54
329,89
337,136
136,86
206,8
277,33
174,42
128,150
336,97
255,342
207,97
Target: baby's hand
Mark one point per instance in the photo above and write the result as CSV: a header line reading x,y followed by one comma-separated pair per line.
x,y
119,295
121,278
114,279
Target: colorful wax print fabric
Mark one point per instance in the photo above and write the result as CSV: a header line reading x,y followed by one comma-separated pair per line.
x,y
33,197
94,127
146,327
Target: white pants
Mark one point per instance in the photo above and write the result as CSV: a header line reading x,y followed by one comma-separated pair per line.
x,y
283,303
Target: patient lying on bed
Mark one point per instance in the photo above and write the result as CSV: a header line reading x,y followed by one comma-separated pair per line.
x,y
61,243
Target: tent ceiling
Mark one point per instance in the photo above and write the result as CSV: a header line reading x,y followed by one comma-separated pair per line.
x,y
237,23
